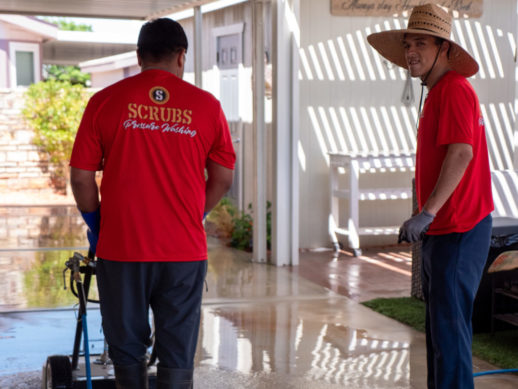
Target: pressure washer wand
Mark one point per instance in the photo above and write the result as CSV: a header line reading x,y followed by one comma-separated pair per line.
x,y
74,265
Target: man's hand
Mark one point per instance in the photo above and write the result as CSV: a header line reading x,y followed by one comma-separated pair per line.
x,y
414,228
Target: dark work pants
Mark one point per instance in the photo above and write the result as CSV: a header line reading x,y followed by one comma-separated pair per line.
x,y
173,290
451,272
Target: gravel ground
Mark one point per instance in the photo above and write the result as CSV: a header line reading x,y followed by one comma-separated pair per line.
x,y
210,378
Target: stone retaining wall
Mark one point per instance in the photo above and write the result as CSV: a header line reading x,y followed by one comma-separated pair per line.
x,y
21,165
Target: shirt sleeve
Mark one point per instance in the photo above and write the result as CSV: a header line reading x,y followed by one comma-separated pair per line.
x,y
222,150
87,153
456,117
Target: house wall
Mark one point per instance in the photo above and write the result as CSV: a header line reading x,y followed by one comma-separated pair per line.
x,y
4,64
10,33
242,130
101,79
350,100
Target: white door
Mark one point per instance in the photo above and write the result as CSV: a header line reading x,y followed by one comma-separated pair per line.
x,y
229,56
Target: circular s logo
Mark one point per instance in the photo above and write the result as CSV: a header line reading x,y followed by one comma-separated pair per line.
x,y
159,95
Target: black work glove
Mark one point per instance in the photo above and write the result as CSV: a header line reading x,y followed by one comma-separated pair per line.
x,y
414,228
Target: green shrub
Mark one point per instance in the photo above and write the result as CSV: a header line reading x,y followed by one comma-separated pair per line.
x,y
71,74
220,220
225,221
242,234
53,110
67,25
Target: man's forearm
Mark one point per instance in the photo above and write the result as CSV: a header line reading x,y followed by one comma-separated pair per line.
x,y
85,190
218,183
453,168
213,193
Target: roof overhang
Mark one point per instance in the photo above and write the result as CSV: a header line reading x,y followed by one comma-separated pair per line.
x,y
113,62
116,9
34,25
72,53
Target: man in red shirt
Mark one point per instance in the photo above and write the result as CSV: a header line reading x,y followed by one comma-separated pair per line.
x,y
453,186
154,136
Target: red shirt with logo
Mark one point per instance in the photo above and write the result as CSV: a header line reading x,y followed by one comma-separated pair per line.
x,y
151,134
451,114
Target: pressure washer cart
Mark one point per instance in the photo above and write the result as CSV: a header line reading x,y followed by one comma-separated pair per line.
x,y
82,370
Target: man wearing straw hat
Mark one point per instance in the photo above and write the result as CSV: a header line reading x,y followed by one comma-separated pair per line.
x,y
453,186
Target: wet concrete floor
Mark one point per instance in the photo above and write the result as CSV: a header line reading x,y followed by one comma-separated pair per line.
x,y
269,327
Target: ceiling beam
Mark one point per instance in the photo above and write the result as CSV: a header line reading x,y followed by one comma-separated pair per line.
x,y
112,9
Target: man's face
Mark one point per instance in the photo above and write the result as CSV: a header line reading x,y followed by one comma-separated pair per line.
x,y
420,52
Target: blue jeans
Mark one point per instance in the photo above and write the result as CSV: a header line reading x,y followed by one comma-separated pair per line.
x,y
173,290
451,272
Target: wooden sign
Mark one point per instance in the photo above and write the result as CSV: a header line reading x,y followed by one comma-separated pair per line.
x,y
470,8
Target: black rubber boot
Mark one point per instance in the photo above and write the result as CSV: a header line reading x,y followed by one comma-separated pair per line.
x,y
131,376
167,378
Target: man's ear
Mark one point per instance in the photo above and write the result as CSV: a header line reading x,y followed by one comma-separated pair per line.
x,y
445,46
180,59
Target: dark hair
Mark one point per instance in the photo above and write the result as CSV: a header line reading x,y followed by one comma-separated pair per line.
x,y
160,38
438,41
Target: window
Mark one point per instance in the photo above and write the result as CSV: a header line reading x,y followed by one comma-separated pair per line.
x,y
24,68
24,61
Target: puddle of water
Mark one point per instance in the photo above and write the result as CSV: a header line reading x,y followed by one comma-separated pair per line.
x,y
40,226
276,335
30,337
35,243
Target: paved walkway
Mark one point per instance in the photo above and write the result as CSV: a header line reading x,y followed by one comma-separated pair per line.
x,y
267,327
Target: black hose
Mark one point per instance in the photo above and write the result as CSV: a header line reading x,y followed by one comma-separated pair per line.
x,y
74,291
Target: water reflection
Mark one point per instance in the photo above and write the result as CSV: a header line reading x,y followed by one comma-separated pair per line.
x,y
33,227
260,319
291,338
35,242
257,320
45,282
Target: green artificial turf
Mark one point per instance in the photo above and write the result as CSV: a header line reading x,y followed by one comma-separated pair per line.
x,y
500,349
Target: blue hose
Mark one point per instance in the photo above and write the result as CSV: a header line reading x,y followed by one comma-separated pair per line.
x,y
87,354
502,371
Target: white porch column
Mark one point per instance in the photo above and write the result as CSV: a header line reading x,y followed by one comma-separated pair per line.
x,y
515,135
197,47
259,198
285,213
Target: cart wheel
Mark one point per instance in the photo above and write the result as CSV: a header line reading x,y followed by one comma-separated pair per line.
x,y
357,252
58,372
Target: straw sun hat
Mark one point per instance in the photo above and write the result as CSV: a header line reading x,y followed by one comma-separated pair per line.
x,y
428,19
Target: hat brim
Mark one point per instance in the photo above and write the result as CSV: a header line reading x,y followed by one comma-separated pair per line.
x,y
390,45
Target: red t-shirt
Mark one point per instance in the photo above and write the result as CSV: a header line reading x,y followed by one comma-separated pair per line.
x,y
152,134
451,114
